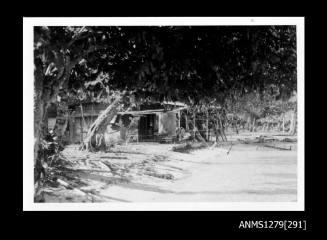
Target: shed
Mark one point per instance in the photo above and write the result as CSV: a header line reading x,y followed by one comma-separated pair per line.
x,y
138,125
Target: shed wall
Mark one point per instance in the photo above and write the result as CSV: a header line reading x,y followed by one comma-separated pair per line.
x,y
168,123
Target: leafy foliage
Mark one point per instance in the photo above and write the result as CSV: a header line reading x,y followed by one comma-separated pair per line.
x,y
172,63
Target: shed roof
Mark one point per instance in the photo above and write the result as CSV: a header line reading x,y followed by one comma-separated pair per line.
x,y
151,111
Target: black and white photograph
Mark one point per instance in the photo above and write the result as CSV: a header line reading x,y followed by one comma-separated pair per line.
x,y
163,113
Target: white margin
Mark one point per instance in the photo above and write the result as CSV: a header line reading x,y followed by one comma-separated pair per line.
x,y
28,121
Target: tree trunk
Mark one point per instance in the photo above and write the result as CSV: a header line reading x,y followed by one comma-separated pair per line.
x,y
82,123
207,125
186,123
193,125
217,128
221,127
40,131
46,90
292,130
43,93
253,125
100,124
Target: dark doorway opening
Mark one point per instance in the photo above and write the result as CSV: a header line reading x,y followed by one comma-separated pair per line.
x,y
147,127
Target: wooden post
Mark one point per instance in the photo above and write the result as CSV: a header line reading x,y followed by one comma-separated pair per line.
x,y
194,125
92,118
70,124
217,127
207,123
72,129
81,127
179,119
186,121
82,122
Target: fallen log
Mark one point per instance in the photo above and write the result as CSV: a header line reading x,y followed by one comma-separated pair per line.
x,y
159,175
263,139
276,147
289,140
243,141
188,147
125,152
113,157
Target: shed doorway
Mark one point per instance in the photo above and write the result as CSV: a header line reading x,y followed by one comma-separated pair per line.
x,y
148,127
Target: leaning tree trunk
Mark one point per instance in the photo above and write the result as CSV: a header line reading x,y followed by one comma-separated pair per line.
x,y
100,124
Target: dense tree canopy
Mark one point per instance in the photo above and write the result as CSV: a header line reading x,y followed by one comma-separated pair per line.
x,y
168,62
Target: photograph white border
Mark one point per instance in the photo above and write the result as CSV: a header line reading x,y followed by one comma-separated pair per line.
x,y
28,117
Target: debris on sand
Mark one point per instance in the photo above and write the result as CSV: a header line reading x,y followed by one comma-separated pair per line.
x,y
188,147
289,140
159,175
265,139
63,183
229,149
113,157
87,173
